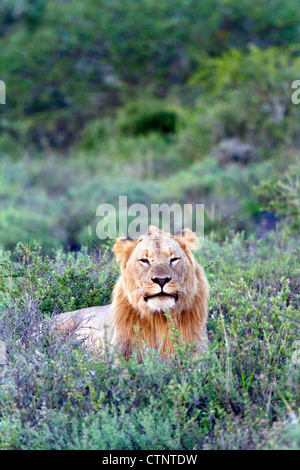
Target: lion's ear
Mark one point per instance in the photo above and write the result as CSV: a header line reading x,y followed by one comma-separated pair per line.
x,y
123,249
187,239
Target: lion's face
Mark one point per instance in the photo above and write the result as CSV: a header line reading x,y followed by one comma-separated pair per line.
x,y
158,271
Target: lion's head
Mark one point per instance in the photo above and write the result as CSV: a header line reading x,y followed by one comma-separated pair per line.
x,y
159,275
159,271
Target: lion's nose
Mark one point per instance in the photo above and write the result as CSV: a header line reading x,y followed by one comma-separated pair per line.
x,y
161,280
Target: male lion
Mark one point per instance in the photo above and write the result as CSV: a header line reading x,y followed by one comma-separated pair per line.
x,y
159,275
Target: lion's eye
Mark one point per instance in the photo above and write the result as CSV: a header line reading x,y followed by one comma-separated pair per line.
x,y
174,261
144,261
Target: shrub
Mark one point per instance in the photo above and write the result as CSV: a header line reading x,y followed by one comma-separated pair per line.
x,y
73,280
248,94
282,196
144,117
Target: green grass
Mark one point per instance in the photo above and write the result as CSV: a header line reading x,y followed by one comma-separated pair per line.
x,y
243,394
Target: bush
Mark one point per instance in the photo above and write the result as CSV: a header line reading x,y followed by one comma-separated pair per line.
x,y
248,94
73,281
282,196
144,117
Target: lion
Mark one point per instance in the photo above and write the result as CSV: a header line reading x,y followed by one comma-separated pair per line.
x,y
160,281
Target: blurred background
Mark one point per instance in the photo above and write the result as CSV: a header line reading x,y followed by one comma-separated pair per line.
x,y
175,101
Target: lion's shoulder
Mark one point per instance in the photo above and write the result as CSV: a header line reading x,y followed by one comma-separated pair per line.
x,y
93,321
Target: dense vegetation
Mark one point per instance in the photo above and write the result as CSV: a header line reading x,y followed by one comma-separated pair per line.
x,y
244,394
190,101
165,102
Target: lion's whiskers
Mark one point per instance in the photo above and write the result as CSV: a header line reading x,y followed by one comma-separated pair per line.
x,y
137,291
181,289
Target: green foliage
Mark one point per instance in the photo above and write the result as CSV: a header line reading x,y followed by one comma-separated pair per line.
x,y
84,59
73,281
80,59
145,117
272,23
282,195
242,394
249,93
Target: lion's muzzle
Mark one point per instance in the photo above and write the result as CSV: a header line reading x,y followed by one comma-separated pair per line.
x,y
161,294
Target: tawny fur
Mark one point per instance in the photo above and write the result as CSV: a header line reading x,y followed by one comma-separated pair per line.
x,y
130,319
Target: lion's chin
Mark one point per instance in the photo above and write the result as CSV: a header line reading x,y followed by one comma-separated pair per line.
x,y
160,304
